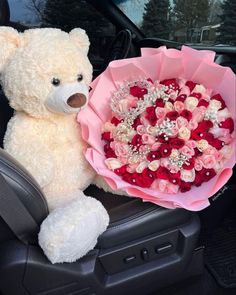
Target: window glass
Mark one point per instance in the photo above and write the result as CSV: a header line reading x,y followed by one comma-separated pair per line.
x,y
206,22
66,15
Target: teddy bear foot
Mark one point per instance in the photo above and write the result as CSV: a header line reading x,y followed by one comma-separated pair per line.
x,y
69,232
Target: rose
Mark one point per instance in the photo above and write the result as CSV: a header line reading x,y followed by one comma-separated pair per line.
x,y
138,91
106,136
198,165
160,112
185,186
162,173
181,97
176,143
184,133
189,164
136,140
208,161
187,175
220,99
179,106
137,123
165,150
186,114
191,103
203,103
120,171
151,115
198,114
181,122
115,121
113,163
121,149
173,115
148,139
228,124
109,153
154,155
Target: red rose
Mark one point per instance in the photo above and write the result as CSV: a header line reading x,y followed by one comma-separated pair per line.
x,y
173,115
198,179
109,153
227,124
147,177
186,114
205,125
115,121
203,103
130,177
151,115
189,166
165,150
185,186
209,137
219,98
120,171
171,83
196,94
162,138
160,103
155,155
207,174
191,85
106,136
197,134
174,178
176,143
136,140
136,123
163,173
197,153
138,91
181,97
216,143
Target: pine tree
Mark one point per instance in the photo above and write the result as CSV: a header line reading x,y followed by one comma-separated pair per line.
x,y
156,19
190,14
227,30
73,13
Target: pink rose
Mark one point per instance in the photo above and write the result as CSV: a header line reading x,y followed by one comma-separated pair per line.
x,y
121,149
179,106
143,148
198,165
185,90
191,144
148,139
174,131
141,129
219,132
192,124
187,151
131,168
181,122
132,100
198,114
160,112
208,161
155,146
210,150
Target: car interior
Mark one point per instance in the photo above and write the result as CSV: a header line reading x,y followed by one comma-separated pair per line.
x,y
146,249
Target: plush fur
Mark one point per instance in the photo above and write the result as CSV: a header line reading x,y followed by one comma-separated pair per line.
x,y
44,136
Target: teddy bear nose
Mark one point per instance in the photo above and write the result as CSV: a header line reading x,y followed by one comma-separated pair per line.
x,y
77,100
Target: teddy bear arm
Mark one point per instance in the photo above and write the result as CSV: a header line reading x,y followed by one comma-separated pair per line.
x,y
29,151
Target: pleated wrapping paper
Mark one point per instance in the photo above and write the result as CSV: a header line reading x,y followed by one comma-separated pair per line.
x,y
157,64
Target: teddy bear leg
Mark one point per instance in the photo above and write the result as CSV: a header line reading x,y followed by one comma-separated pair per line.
x,y
69,232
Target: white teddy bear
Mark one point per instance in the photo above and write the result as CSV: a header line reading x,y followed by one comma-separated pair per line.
x,y
45,73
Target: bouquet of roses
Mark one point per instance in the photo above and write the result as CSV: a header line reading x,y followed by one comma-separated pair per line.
x,y
161,126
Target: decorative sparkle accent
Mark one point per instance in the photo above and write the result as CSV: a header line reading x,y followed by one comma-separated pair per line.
x,y
211,115
207,173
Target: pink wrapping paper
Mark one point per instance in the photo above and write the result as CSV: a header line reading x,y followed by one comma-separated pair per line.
x,y
157,64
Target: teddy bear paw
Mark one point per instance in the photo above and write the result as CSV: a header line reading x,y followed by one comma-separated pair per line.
x,y
69,232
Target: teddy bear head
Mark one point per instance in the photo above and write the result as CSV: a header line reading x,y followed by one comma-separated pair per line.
x,y
45,71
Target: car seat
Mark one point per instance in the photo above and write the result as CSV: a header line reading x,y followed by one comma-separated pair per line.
x,y
145,247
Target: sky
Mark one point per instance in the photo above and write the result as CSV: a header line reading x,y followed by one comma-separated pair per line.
x,y
19,12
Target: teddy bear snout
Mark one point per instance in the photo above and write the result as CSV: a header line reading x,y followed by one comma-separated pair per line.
x,y
77,100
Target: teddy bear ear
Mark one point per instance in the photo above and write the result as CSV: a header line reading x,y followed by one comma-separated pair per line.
x,y
80,37
10,41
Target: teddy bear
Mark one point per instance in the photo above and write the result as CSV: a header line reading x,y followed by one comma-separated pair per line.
x,y
45,74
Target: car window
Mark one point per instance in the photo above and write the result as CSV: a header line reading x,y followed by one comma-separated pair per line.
x,y
66,15
205,22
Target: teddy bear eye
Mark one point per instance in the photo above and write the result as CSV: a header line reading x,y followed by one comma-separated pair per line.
x,y
80,77
56,82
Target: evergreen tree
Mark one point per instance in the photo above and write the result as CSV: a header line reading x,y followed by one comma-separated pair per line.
x,y
156,19
227,30
70,14
190,14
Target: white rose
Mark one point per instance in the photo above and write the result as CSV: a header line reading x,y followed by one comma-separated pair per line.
x,y
214,104
154,165
199,89
184,133
112,163
191,103
169,106
202,144
141,167
187,175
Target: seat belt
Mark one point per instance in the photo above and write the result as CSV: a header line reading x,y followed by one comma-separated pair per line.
x,y
14,213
